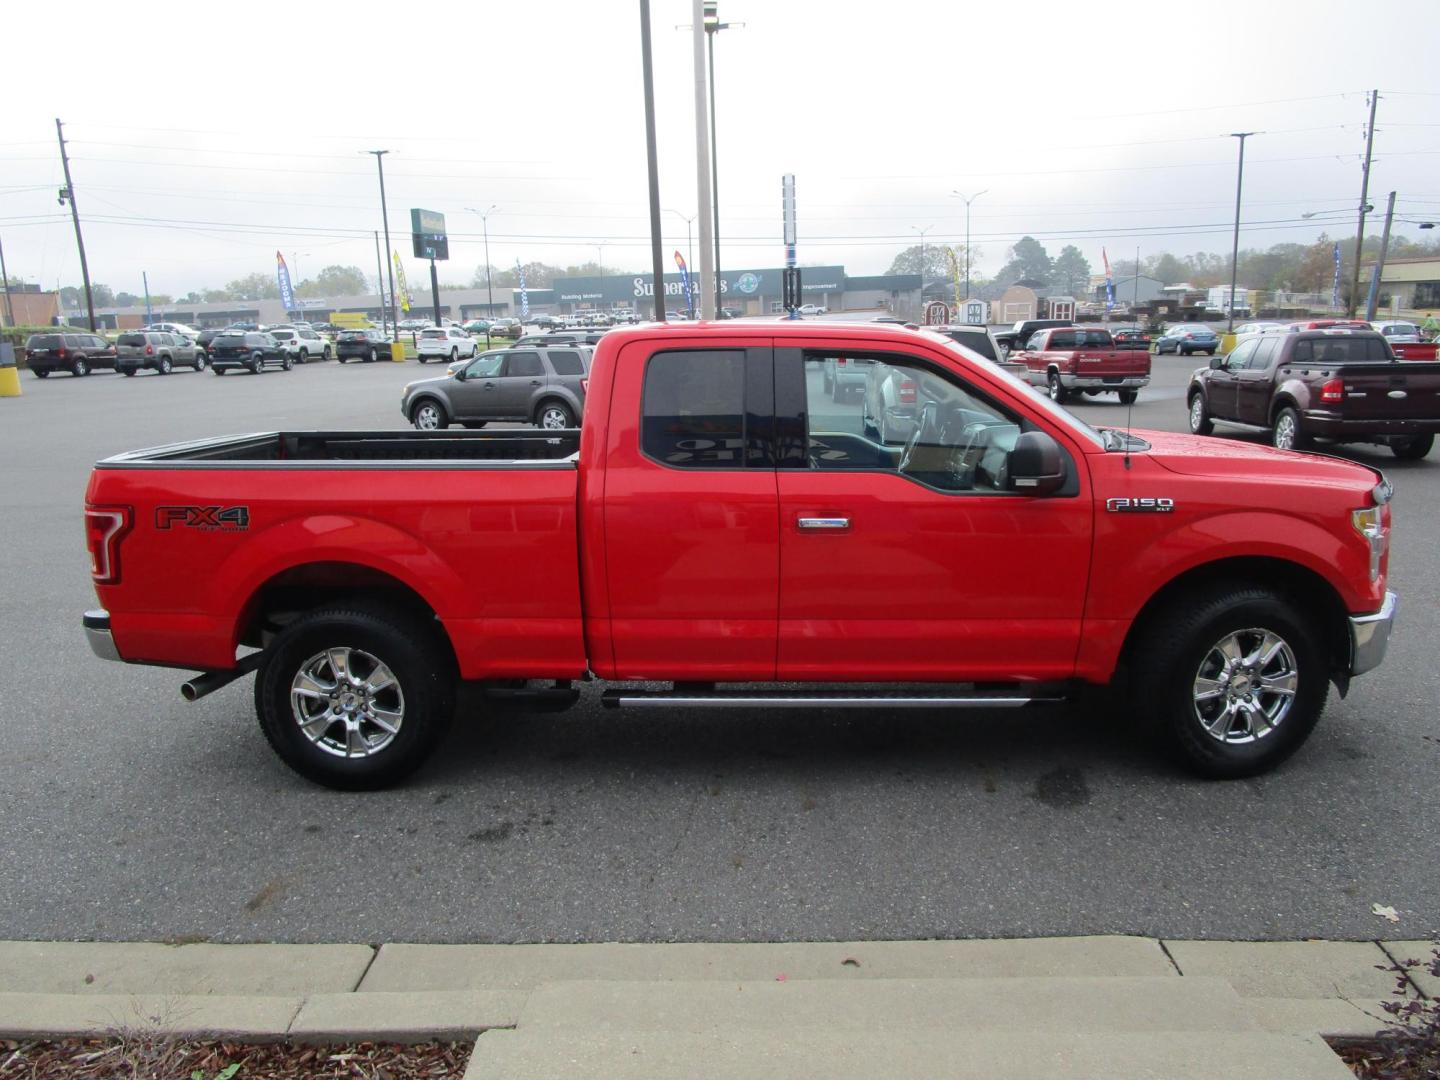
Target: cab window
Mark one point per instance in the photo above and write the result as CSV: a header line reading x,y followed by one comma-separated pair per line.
x,y
693,411
521,364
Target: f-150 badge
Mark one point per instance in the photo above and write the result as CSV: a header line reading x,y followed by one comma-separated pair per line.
x,y
1140,506
204,518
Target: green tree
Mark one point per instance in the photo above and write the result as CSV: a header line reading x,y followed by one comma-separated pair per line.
x,y
73,296
1166,268
334,281
253,287
1071,271
935,264
1029,261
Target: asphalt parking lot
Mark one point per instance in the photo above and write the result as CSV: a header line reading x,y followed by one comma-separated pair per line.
x,y
129,814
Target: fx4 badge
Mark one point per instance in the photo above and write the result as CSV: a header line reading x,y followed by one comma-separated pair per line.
x,y
204,518
1140,506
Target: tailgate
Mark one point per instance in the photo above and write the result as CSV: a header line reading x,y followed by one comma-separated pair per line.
x,y
1415,350
1121,363
1400,391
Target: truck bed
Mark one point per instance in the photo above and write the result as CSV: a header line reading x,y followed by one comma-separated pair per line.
x,y
312,449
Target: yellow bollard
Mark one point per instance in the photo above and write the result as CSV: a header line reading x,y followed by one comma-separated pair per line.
x,y
9,374
397,351
1227,344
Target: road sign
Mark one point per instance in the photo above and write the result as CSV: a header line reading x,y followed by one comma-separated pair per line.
x,y
428,232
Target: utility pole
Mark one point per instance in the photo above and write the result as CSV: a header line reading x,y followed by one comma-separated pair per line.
x,y
1234,247
68,192
1364,192
968,200
713,26
385,220
9,304
380,284
1374,296
702,165
145,280
922,233
656,255
1135,293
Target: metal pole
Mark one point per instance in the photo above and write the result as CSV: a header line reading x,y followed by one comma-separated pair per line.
x,y
1235,246
380,283
968,200
702,164
714,166
656,255
1374,297
1364,193
9,305
489,287
385,220
689,262
69,193
1135,300
435,292
145,280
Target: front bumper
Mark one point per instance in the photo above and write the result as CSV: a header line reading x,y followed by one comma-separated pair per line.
x,y
1101,382
1370,635
97,633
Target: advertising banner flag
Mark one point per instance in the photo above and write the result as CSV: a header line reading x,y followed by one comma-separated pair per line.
x,y
1109,281
402,288
1335,288
524,294
282,275
685,279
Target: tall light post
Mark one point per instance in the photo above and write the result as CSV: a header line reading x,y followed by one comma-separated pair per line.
x,y
968,200
385,220
484,216
689,257
1235,245
713,26
922,233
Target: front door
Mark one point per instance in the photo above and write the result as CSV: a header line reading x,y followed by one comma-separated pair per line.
x,y
476,395
1254,382
905,558
1220,393
691,532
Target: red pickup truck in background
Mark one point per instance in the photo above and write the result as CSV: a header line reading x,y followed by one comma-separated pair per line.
x,y
1083,359
719,520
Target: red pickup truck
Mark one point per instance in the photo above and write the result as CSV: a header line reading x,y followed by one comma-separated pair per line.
x,y
720,520
1082,359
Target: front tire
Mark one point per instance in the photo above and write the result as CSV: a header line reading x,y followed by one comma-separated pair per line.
x,y
1234,683
256,363
1200,422
286,363
429,416
354,698
1056,388
41,373
325,353
1287,434
199,362
454,354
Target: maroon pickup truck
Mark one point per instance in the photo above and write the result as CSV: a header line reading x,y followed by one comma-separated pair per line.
x,y
1070,360
1339,384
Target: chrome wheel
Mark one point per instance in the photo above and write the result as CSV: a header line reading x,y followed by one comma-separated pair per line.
x,y
1285,432
1245,686
428,416
347,703
554,418
1198,423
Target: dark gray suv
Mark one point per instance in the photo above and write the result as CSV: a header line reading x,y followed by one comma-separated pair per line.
x,y
544,387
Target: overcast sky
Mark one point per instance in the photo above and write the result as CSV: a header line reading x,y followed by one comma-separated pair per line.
x,y
205,136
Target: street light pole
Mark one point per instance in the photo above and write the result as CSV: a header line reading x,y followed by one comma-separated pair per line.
x,y
922,233
968,200
689,258
385,220
713,26
5,277
1235,244
484,216
702,163
68,193
380,283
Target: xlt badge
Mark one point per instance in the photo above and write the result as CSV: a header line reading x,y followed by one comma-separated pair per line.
x,y
1140,506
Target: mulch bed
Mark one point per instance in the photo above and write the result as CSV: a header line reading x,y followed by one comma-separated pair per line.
x,y
151,1058
1370,1061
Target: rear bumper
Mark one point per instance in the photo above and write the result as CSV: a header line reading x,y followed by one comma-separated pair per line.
x,y
1370,636
1102,382
1335,427
97,633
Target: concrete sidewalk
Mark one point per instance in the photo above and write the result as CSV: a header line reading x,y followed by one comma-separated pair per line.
x,y
1111,1007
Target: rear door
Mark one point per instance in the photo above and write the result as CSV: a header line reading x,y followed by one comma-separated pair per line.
x,y
691,527
520,384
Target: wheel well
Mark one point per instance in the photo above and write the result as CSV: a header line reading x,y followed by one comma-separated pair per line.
x,y
421,399
1282,402
549,399
293,592
1310,592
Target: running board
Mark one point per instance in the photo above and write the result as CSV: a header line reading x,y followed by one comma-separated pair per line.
x,y
816,699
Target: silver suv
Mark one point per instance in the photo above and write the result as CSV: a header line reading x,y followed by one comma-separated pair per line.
x,y
156,350
544,387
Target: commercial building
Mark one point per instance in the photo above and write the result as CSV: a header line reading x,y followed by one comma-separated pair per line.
x,y
1408,284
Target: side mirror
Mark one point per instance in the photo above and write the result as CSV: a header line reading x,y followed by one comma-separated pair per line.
x,y
1217,362
1035,466
460,374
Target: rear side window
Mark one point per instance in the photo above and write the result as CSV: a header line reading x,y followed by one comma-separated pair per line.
x,y
524,364
566,363
1264,354
1064,339
693,414
43,341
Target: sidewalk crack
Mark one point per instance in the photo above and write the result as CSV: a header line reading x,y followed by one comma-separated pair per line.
x,y
1166,951
374,954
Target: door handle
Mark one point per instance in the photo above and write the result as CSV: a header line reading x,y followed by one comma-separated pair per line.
x,y
824,524
534,382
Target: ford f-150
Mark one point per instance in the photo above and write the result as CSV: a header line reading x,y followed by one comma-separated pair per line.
x,y
718,520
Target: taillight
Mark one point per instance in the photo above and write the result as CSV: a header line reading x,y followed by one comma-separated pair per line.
x,y
104,526
907,392
61,353
1333,392
585,386
841,361
149,350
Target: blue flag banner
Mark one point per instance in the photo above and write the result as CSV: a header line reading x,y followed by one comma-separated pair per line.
x,y
685,278
1335,289
524,295
1109,281
282,274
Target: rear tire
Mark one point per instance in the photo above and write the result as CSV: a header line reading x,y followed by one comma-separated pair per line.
x,y
1127,397
79,369
41,373
256,363
164,367
355,698
1234,683
325,353
554,416
1200,422
217,371
1056,388
374,355
1413,449
286,364
130,372
304,356
1287,434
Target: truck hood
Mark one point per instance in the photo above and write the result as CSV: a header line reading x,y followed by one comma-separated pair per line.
x,y
1203,455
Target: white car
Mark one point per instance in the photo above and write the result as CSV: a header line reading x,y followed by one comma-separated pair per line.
x,y
187,332
1395,331
301,343
444,343
813,309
